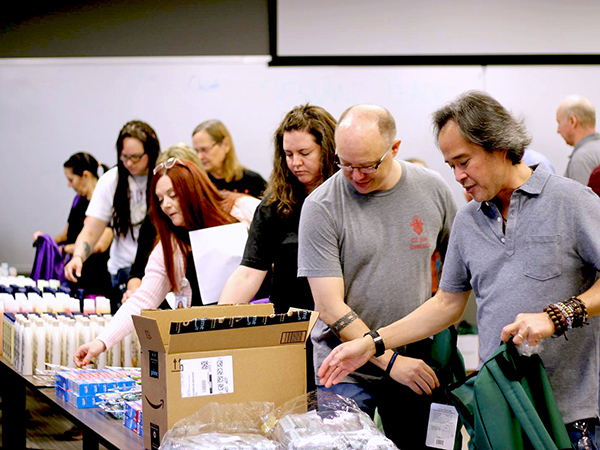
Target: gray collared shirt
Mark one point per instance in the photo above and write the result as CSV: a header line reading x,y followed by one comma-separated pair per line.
x,y
584,159
549,252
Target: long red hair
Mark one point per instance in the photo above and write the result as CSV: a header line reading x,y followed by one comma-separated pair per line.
x,y
202,206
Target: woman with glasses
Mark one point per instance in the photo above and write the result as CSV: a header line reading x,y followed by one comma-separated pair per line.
x,y
82,171
183,199
120,199
303,159
147,231
212,141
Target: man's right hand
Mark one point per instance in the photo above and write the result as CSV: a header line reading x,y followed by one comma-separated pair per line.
x,y
415,374
73,269
86,352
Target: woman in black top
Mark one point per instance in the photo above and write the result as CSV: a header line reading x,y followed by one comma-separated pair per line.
x,y
82,171
212,141
304,158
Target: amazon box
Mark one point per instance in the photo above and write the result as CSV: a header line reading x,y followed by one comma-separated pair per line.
x,y
223,354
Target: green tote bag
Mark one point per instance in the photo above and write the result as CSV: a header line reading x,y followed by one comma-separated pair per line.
x,y
509,404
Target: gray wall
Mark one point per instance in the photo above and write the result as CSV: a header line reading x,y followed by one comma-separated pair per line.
x,y
134,28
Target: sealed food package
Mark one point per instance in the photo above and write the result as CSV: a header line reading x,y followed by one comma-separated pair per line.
x,y
229,426
324,420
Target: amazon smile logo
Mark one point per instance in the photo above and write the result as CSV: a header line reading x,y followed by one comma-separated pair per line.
x,y
158,406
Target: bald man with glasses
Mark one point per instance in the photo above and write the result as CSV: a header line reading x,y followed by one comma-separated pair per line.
x,y
365,244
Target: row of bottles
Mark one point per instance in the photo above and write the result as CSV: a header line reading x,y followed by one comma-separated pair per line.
x,y
54,339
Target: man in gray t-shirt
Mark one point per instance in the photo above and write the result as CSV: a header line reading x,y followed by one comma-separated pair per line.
x,y
366,240
529,240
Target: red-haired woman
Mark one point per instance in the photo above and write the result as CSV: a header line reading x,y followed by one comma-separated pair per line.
x,y
183,199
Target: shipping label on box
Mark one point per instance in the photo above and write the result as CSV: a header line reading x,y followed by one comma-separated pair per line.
x,y
206,376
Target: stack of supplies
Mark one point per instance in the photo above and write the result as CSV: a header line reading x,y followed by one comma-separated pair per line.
x,y
81,388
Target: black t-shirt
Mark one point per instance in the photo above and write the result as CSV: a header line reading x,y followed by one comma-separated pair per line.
x,y
251,183
76,218
95,279
273,242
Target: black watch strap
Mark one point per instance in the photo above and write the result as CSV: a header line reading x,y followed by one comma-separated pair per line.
x,y
378,340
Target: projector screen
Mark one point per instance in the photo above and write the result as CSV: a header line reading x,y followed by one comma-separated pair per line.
x,y
436,28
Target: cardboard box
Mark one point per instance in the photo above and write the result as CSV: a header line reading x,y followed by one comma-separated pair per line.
x,y
224,354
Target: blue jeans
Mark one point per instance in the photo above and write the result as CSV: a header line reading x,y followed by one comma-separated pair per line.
x,y
119,284
364,400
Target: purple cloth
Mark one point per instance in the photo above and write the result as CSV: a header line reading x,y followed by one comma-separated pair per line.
x,y
48,263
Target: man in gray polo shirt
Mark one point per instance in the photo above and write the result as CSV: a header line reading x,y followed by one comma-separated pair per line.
x,y
529,239
366,240
576,118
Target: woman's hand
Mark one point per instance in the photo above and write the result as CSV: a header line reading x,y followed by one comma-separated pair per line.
x,y
86,352
132,285
36,235
73,268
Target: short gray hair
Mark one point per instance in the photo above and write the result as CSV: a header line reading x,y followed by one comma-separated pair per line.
x,y
581,108
483,121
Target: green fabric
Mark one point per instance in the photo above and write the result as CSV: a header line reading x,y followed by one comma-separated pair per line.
x,y
444,358
509,404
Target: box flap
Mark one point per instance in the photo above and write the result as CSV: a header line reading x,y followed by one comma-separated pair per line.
x,y
232,336
165,317
314,316
149,333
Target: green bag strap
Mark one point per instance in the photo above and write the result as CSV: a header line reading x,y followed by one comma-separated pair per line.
x,y
506,370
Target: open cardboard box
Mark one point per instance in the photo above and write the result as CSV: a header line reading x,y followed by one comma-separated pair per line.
x,y
224,354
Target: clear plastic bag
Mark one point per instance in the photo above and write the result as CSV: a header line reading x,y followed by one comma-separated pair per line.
x,y
230,426
324,420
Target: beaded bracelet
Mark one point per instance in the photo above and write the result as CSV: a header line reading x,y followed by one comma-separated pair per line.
x,y
567,315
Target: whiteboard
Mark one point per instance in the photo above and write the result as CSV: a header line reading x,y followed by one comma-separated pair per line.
x,y
437,27
52,108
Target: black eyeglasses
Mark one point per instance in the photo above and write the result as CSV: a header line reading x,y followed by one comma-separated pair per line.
x,y
133,158
167,165
366,170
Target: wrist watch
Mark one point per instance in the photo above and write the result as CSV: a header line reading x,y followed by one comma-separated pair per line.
x,y
378,340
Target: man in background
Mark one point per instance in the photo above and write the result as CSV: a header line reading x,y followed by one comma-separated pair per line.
x,y
576,117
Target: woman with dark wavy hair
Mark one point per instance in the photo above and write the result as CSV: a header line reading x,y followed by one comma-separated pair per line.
x,y
120,198
183,199
82,171
303,159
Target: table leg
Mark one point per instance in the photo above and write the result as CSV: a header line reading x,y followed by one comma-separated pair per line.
x,y
14,420
90,440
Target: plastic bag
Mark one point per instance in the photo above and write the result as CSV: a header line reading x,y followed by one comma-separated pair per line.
x,y
324,420
230,426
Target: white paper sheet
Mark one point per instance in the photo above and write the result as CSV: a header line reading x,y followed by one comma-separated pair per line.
x,y
217,253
